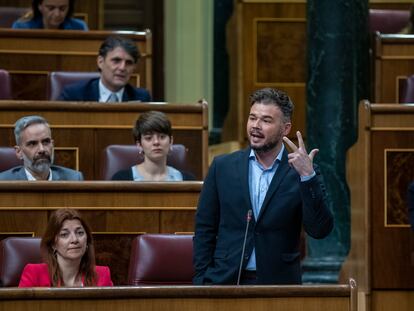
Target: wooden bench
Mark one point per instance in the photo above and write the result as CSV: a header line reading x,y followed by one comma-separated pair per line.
x,y
81,130
116,211
167,298
29,55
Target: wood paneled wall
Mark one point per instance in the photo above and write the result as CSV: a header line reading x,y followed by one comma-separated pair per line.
x,y
379,170
267,47
394,60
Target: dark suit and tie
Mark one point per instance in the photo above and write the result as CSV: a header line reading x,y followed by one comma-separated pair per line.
x,y
117,59
89,91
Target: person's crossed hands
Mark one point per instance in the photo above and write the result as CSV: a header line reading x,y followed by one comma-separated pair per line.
x,y
299,158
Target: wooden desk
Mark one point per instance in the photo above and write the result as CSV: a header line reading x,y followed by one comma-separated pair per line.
x,y
116,212
29,55
81,130
185,298
379,169
393,60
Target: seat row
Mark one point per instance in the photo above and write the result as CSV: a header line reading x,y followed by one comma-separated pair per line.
x,y
114,158
56,81
156,259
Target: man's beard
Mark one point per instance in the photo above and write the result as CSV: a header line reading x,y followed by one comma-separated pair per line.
x,y
39,164
268,146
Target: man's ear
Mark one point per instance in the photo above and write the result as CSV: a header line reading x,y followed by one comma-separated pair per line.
x,y
287,128
18,151
99,61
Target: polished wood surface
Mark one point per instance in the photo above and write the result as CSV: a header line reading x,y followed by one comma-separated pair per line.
x,y
267,49
393,300
390,4
379,169
81,130
116,211
393,61
289,298
29,55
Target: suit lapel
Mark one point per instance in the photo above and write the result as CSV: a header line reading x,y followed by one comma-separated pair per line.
x,y
92,93
55,173
241,167
126,96
280,174
21,174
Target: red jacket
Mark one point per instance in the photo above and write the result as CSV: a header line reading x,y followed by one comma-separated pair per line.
x,y
37,275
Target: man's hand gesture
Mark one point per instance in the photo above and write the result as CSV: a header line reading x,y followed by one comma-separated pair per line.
x,y
301,161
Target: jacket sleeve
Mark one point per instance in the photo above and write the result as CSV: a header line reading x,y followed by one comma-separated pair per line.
x,y
104,275
28,277
317,218
80,176
206,226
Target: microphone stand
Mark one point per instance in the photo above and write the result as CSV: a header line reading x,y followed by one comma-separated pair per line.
x,y
249,217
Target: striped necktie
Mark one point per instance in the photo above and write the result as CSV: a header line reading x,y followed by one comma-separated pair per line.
x,y
112,98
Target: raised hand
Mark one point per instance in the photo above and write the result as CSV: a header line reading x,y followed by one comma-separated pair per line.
x,y
299,158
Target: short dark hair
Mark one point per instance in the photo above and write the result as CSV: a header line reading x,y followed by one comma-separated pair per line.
x,y
37,13
151,122
24,123
112,42
275,97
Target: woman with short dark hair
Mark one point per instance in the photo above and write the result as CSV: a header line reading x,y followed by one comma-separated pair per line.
x,y
153,135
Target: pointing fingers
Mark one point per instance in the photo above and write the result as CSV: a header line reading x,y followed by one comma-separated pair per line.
x,y
290,144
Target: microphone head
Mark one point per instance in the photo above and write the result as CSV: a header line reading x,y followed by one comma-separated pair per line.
x,y
249,215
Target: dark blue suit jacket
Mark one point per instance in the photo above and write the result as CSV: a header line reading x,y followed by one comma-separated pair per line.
x,y
89,91
221,222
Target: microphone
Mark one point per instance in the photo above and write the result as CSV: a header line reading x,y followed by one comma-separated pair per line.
x,y
248,219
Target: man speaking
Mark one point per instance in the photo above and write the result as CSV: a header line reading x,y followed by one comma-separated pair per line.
x,y
254,203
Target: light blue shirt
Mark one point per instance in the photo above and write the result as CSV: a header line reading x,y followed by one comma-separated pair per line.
x,y
172,174
259,182
104,93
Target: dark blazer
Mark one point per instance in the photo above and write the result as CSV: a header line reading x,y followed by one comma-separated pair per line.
x,y
221,222
88,90
411,204
58,173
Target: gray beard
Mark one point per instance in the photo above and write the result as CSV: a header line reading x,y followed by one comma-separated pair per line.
x,y
39,167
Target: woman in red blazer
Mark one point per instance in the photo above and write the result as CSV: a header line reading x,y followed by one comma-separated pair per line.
x,y
68,250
